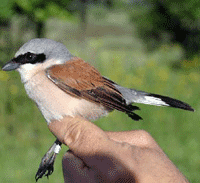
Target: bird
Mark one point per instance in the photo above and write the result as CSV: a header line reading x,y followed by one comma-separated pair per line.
x,y
65,85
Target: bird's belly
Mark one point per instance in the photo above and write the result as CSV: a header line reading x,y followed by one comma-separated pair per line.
x,y
55,103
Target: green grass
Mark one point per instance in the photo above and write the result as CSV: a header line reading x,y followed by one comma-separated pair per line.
x,y
25,137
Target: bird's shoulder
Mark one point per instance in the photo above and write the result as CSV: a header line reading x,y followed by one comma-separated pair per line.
x,y
77,74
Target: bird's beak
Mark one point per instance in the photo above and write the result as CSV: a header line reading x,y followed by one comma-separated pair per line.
x,y
11,65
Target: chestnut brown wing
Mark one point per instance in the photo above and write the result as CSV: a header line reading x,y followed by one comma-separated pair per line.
x,y
80,79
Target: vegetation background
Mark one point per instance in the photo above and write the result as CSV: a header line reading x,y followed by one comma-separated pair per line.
x,y
146,45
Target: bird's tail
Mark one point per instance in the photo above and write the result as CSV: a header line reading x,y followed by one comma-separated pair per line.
x,y
134,96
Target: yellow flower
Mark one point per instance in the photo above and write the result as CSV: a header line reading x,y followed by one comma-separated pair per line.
x,y
194,77
163,74
3,76
14,89
151,63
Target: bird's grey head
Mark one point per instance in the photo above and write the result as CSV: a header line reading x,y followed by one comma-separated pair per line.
x,y
36,55
37,51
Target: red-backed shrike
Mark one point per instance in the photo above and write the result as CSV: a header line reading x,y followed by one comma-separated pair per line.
x,y
63,85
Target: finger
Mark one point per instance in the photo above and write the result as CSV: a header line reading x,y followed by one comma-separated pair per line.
x,y
74,169
79,134
72,162
90,143
138,138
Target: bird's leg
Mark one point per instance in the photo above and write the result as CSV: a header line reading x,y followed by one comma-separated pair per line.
x,y
46,165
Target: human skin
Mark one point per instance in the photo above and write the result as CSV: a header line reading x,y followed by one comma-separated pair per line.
x,y
99,156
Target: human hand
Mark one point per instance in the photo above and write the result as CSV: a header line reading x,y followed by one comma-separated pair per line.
x,y
98,156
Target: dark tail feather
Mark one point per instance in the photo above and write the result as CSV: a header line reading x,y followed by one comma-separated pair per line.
x,y
173,102
134,116
135,96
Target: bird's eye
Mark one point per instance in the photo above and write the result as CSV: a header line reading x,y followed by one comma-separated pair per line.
x,y
33,58
29,56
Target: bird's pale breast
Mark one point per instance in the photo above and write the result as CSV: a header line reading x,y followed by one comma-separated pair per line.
x,y
55,103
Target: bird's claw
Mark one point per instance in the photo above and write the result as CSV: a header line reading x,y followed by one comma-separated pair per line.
x,y
46,166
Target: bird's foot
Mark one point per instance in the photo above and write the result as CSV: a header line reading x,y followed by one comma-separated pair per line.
x,y
46,166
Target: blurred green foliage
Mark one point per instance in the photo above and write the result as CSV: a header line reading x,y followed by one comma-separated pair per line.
x,y
168,21
111,45
6,9
37,10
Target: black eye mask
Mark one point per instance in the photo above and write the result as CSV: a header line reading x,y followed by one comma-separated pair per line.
x,y
31,58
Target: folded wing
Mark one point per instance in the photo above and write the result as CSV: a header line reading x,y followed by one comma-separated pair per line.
x,y
80,79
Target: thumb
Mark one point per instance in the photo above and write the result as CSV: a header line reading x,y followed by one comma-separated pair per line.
x,y
92,147
80,135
